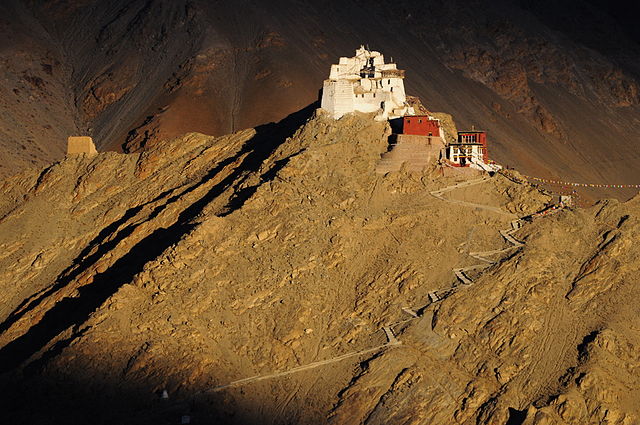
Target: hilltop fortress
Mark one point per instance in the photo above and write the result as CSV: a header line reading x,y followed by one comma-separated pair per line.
x,y
365,83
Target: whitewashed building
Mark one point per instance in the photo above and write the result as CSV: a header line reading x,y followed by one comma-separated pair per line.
x,y
470,150
365,83
464,155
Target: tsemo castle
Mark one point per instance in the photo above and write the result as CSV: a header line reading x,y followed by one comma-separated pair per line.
x,y
365,83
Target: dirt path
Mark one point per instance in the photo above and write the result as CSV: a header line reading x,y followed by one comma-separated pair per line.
x,y
439,194
482,255
392,343
507,234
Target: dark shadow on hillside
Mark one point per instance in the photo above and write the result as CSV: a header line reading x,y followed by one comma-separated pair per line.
x,y
73,397
72,312
392,140
397,125
264,146
82,261
516,417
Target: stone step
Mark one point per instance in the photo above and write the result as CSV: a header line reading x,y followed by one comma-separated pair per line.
x,y
415,152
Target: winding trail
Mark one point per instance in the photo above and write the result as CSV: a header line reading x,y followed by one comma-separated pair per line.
x,y
434,297
482,255
438,194
516,224
393,343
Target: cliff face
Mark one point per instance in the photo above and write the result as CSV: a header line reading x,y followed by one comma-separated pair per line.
x,y
556,98
203,261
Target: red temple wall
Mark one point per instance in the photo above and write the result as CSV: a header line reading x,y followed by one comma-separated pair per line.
x,y
420,125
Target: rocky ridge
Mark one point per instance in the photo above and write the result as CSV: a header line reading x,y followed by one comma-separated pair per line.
x,y
203,261
555,87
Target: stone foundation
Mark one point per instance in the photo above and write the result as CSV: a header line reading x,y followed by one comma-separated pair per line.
x,y
451,171
416,152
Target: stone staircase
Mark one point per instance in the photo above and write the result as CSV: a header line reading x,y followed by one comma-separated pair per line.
x,y
416,152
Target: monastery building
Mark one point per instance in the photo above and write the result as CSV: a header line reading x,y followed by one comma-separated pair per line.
x,y
470,148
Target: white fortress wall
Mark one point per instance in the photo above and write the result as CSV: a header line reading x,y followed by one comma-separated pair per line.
x,y
365,83
337,97
368,102
328,94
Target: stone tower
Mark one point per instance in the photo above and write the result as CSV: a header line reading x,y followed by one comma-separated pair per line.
x,y
81,145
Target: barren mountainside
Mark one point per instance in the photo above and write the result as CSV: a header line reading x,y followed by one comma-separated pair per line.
x,y
556,86
271,276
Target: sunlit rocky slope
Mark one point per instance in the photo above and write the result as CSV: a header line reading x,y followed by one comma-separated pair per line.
x,y
555,85
204,261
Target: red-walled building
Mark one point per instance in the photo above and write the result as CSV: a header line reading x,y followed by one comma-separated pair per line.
x,y
471,147
421,125
475,137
